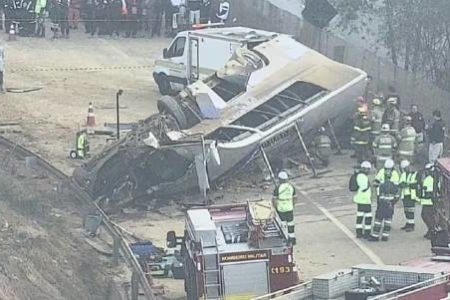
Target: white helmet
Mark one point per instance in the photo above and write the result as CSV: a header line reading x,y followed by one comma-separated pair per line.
x,y
283,175
385,127
429,166
366,165
389,164
404,164
392,100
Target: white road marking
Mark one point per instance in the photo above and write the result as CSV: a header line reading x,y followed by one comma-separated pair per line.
x,y
366,250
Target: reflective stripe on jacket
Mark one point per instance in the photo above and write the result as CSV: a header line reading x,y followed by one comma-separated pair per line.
x,y
361,131
384,145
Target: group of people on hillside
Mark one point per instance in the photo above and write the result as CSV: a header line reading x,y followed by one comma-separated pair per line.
x,y
110,17
385,140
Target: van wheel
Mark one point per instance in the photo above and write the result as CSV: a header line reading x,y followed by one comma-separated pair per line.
x,y
164,85
168,106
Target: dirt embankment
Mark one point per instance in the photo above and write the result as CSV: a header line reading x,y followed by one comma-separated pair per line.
x,y
42,252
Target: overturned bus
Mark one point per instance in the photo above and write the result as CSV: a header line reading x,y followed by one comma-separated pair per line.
x,y
262,95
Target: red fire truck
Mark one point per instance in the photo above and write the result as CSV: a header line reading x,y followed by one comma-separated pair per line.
x,y
442,190
236,251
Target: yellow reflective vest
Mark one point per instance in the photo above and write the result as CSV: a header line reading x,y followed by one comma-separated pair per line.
x,y
81,143
285,198
363,194
380,177
427,191
408,182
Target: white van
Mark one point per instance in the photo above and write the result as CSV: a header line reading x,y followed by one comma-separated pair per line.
x,y
194,55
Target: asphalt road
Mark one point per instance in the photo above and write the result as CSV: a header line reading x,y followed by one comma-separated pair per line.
x,y
325,217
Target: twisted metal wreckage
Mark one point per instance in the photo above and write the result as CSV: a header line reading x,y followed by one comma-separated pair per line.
x,y
260,97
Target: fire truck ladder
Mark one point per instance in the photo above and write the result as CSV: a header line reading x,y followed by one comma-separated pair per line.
x,y
211,275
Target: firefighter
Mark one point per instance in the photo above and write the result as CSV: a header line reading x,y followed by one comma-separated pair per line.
x,y
362,198
384,146
408,186
387,173
321,146
376,115
82,145
391,115
361,136
406,141
284,195
426,199
387,197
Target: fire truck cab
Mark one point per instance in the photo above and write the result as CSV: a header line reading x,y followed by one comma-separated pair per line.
x,y
236,251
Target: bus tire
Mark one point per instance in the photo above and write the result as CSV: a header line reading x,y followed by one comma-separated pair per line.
x,y
167,105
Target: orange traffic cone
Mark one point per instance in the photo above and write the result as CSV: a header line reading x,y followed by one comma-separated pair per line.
x,y
12,32
90,121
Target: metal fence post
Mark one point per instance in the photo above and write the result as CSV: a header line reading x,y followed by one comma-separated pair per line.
x,y
134,286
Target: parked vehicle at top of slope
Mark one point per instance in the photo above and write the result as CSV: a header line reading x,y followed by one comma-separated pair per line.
x,y
194,55
218,124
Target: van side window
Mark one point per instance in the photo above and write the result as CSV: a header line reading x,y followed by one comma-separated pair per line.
x,y
177,48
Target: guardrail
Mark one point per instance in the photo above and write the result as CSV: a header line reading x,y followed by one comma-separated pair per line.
x,y
423,288
298,292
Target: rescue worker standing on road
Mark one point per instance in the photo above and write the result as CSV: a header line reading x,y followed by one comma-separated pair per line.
x,y
387,197
362,198
387,173
426,199
284,195
408,186
407,138
361,136
321,146
391,115
376,116
384,146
